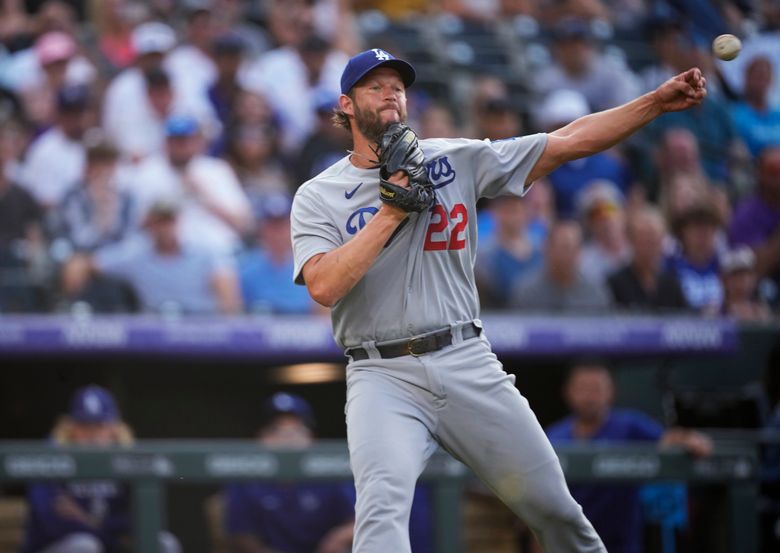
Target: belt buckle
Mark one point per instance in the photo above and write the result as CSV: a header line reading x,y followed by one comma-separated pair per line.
x,y
413,342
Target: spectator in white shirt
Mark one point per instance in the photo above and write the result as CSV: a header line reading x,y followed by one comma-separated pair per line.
x,y
290,77
215,210
55,161
578,65
37,73
127,113
190,64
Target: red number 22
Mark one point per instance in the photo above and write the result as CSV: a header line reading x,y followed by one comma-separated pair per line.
x,y
439,223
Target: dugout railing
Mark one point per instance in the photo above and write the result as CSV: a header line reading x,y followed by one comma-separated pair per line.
x,y
150,466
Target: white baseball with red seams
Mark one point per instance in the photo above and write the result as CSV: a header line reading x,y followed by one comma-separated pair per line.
x,y
726,47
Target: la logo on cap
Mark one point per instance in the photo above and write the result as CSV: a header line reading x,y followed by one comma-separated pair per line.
x,y
381,54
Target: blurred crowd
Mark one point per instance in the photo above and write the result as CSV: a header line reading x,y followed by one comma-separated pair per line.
x,y
149,149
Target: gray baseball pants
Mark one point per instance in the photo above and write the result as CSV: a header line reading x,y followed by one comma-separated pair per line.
x,y
399,410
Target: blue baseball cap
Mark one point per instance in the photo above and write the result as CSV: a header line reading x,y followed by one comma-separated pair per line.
x,y
181,125
359,65
283,403
93,404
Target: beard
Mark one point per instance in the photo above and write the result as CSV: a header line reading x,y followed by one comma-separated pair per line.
x,y
370,123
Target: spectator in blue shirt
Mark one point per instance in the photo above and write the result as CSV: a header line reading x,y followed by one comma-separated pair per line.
x,y
289,517
85,516
614,510
265,270
757,121
508,254
168,273
573,177
696,263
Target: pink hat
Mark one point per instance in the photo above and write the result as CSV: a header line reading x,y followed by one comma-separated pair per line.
x,y
54,46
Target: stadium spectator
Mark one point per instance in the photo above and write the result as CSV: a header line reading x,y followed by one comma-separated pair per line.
x,y
681,180
672,47
710,122
285,518
497,119
756,120
307,517
190,64
24,265
764,43
15,25
602,214
113,21
167,274
559,285
227,51
85,516
645,283
20,215
253,153
56,54
96,212
325,145
290,78
215,210
560,108
740,290
756,221
508,254
265,270
128,111
55,161
437,121
483,90
614,510
289,22
578,65
696,262
37,73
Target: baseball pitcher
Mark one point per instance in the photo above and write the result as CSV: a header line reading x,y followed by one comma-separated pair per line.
x,y
387,238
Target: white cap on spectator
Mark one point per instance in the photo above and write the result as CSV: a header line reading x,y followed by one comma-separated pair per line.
x,y
600,196
54,46
153,37
561,108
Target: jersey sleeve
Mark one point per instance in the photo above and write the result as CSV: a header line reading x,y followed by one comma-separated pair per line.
x,y
503,166
313,232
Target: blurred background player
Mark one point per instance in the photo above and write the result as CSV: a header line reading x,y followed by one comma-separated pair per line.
x,y
313,517
85,516
615,510
287,517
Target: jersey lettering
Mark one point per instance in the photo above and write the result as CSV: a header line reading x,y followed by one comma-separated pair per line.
x,y
362,216
460,213
440,172
438,226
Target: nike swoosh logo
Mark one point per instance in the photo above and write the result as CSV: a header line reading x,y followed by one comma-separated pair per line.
x,y
348,195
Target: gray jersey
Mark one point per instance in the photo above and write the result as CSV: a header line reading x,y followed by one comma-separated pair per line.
x,y
424,277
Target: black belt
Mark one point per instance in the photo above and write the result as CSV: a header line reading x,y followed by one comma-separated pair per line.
x,y
419,345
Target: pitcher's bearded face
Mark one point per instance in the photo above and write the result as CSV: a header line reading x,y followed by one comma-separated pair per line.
x,y
380,100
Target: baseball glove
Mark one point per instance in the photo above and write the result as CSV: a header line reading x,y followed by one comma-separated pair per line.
x,y
400,151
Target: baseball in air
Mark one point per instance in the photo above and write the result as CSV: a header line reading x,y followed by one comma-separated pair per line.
x,y
726,47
